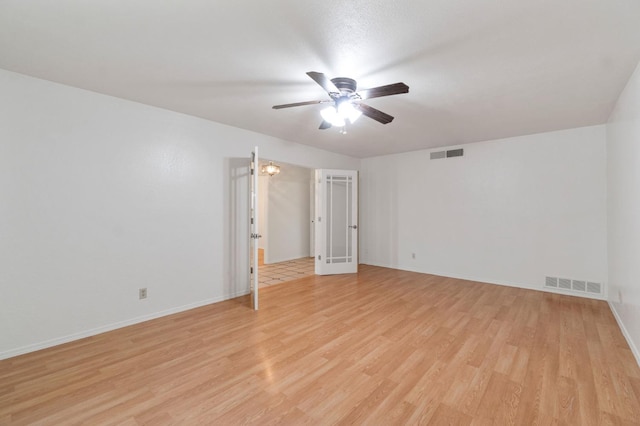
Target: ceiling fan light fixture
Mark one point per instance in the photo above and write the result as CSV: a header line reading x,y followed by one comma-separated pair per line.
x,y
331,115
347,111
271,169
346,103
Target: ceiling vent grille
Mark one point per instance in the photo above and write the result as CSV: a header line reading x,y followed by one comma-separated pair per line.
x,y
447,154
577,286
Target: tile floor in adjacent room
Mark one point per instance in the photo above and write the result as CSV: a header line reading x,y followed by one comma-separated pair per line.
x,y
278,273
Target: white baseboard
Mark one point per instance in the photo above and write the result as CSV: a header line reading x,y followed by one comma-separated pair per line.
x,y
109,327
490,281
456,276
625,333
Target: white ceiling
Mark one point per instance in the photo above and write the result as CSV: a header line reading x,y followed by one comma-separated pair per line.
x,y
477,70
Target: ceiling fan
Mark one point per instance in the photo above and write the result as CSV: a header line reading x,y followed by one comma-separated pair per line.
x,y
346,103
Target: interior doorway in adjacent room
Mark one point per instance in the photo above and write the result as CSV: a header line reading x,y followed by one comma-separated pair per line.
x,y
286,209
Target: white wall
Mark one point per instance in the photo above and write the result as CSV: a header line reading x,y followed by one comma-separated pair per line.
x,y
508,212
100,196
287,214
623,170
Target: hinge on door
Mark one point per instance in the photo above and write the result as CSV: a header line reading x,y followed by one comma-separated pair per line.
x,y
251,270
252,169
252,221
319,257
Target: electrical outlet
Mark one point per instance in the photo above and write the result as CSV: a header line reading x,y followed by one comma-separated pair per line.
x,y
142,293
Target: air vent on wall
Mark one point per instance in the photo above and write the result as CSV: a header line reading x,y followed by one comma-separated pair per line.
x,y
578,286
594,288
447,154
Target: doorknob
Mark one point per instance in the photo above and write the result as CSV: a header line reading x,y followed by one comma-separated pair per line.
x,y
353,226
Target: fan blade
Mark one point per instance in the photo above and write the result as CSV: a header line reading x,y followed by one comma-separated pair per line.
x,y
324,125
323,81
376,114
300,104
388,90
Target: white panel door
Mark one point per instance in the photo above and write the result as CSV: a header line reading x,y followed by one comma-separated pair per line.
x,y
255,235
336,222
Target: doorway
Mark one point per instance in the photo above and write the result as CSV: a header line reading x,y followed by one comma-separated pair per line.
x,y
285,214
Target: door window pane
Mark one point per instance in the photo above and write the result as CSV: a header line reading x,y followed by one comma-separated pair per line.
x,y
338,230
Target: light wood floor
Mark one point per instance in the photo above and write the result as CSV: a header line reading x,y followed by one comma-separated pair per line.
x,y
383,347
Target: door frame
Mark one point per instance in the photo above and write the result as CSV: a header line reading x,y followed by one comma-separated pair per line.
x,y
254,282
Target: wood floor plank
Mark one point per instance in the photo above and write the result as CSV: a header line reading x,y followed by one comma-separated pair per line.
x,y
446,415
500,401
379,347
568,402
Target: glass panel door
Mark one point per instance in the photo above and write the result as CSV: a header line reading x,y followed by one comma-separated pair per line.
x,y
336,221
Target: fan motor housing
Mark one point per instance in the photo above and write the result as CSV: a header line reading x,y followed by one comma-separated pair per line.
x,y
345,84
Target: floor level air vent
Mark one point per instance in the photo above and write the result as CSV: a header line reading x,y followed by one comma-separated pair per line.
x,y
594,288
577,286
